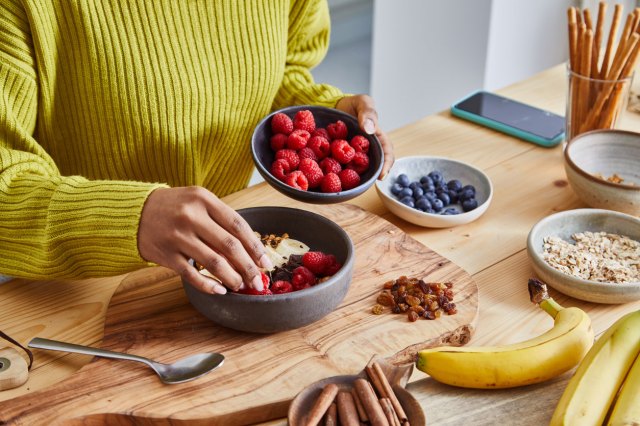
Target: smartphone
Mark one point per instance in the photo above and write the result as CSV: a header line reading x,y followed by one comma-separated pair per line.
x,y
512,117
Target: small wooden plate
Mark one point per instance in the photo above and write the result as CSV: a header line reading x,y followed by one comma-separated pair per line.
x,y
14,371
398,375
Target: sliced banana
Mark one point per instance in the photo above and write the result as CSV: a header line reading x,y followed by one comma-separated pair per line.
x,y
285,248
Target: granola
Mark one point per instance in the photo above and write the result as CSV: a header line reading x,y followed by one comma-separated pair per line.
x,y
595,256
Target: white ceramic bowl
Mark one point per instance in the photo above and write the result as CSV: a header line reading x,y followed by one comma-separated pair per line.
x,y
417,166
605,152
566,223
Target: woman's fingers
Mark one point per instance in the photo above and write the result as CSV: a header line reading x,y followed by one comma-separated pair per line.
x,y
363,107
199,281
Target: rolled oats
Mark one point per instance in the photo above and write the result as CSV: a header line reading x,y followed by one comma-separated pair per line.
x,y
595,256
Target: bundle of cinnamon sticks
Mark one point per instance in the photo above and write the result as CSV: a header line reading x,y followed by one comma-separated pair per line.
x,y
598,77
370,401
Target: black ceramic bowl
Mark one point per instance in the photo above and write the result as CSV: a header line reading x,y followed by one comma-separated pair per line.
x,y
280,312
263,155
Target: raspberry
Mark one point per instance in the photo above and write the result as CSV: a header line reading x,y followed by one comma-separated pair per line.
x,y
360,163
315,261
360,143
254,292
307,152
278,141
332,265
298,139
304,121
280,168
331,183
320,132
302,278
281,123
330,165
320,146
281,286
312,172
341,151
290,156
337,130
297,180
349,178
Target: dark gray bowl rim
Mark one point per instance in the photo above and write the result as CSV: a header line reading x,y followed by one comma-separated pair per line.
x,y
589,176
265,298
320,195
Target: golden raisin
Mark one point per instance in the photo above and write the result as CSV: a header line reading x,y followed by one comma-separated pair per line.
x,y
377,309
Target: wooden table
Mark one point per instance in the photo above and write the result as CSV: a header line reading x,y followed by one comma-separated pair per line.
x,y
529,184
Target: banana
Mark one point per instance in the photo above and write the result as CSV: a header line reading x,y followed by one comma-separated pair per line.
x,y
626,410
593,387
532,361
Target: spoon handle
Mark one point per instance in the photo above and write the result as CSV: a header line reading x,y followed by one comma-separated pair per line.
x,y
55,345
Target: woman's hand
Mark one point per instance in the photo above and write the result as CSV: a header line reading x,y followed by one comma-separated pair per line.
x,y
178,224
363,107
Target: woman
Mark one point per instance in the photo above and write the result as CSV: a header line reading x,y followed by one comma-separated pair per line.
x,y
120,120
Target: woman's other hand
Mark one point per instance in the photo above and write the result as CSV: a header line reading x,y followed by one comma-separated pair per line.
x,y
178,224
363,107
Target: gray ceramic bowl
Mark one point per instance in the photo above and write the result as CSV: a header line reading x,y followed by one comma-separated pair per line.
x,y
605,153
566,223
263,155
417,166
279,312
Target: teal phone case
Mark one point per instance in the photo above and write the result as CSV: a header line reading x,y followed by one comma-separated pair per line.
x,y
484,121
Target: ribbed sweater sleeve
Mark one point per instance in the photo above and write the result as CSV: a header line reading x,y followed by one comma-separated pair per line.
x,y
308,42
52,225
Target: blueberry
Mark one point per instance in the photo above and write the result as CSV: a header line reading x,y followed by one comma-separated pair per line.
x,y
430,210
442,185
437,205
403,180
423,204
444,197
451,211
430,195
440,191
454,185
426,180
470,204
470,188
396,188
428,187
465,194
408,201
405,192
415,184
453,196
436,176
418,192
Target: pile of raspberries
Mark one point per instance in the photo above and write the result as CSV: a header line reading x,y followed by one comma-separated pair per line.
x,y
310,158
300,272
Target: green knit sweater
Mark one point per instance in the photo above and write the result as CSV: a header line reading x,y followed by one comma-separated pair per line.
x,y
102,101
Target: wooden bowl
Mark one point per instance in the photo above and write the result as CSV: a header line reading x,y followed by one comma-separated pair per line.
x,y
592,157
566,223
397,376
287,311
263,155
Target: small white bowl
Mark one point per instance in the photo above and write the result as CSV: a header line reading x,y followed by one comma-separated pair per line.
x,y
417,166
563,225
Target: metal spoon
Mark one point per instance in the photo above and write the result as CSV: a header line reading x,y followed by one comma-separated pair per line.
x,y
183,370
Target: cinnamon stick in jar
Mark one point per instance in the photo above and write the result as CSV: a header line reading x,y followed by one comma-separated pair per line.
x,y
322,404
331,417
361,411
370,402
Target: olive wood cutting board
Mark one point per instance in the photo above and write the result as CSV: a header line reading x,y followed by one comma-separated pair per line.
x,y
149,315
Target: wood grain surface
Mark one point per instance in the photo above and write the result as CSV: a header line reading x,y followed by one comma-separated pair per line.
x,y
150,316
